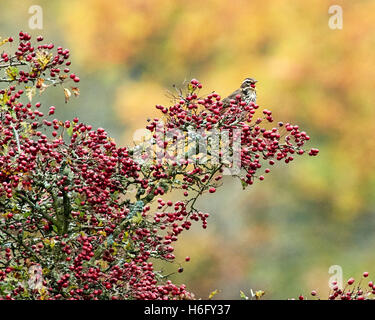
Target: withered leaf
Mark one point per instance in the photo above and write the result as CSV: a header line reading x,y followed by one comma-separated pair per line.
x,y
41,85
75,91
30,93
67,94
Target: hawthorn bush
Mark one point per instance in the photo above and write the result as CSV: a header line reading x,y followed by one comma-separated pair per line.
x,y
351,290
82,218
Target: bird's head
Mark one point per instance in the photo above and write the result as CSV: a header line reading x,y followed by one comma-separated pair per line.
x,y
249,82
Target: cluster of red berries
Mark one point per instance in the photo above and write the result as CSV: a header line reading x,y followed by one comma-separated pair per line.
x,y
82,209
259,142
70,182
32,64
350,291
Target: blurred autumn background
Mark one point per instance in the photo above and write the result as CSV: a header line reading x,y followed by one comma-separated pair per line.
x,y
280,235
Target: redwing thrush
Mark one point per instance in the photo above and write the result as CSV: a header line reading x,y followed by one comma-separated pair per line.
x,y
247,92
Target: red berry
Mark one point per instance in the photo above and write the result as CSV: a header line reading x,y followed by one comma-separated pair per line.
x,y
351,281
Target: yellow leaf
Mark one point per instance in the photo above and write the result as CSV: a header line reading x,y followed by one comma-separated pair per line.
x,y
213,293
259,294
4,98
3,41
103,233
102,264
52,244
43,293
43,58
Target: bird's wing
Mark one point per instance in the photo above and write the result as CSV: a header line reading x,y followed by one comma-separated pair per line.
x,y
226,101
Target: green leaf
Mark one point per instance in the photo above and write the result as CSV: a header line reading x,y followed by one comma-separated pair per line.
x,y
26,214
13,114
12,73
78,201
137,218
244,184
114,195
4,151
69,131
243,295
165,186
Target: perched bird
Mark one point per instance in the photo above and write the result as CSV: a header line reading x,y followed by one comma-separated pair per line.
x,y
247,92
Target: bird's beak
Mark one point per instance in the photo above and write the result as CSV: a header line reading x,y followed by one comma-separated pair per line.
x,y
254,82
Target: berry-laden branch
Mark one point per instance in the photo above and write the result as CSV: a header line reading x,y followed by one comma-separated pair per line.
x,y
351,291
91,215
